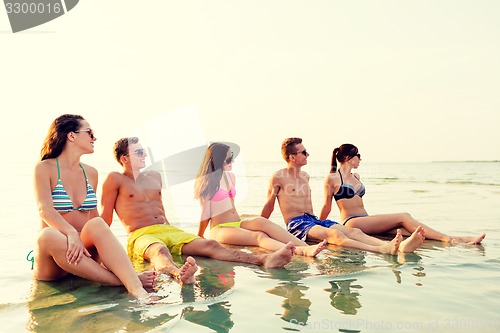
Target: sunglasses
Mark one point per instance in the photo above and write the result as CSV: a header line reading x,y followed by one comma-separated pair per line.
x,y
353,156
230,159
89,131
304,152
138,152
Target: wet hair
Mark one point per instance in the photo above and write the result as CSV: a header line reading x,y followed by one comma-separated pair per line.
x,y
121,147
58,133
288,147
342,154
210,172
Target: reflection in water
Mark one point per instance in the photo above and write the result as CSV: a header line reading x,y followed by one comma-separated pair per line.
x,y
74,303
217,317
405,258
295,306
343,298
215,278
343,262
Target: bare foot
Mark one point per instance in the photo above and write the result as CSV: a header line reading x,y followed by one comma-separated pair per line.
x,y
281,257
413,242
393,246
186,272
147,278
149,299
468,240
311,251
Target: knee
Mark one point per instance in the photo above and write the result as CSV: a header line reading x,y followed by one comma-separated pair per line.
x,y
97,223
260,219
406,216
50,236
356,232
260,223
335,234
211,245
156,250
209,248
96,226
260,235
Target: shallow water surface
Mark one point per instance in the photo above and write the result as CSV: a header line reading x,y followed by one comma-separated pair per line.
x,y
439,288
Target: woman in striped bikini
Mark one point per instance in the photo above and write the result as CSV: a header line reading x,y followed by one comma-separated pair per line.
x,y
73,238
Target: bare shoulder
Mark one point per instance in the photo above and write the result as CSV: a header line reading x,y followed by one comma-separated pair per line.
x,y
151,173
114,176
89,170
304,174
45,165
278,176
332,178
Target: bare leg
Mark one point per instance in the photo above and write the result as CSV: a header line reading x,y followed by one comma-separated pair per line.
x,y
51,262
147,278
468,240
245,236
311,250
413,242
282,235
112,254
163,262
356,239
212,249
377,224
186,275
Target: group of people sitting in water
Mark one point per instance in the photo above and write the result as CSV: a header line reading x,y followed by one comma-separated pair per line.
x,y
76,239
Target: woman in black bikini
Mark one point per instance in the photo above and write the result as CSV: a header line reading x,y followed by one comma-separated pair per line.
x,y
347,190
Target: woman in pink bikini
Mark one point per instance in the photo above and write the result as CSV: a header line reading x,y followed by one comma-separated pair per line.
x,y
215,189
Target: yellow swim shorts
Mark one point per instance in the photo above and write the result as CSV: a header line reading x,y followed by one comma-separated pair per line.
x,y
173,237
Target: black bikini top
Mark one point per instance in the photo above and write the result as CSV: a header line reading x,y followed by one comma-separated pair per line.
x,y
347,191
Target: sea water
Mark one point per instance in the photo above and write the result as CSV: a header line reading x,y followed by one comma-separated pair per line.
x,y
439,288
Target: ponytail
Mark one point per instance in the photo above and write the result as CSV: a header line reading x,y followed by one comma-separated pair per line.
x,y
334,161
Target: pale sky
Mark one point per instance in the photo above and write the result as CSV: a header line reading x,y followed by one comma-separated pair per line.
x,y
403,80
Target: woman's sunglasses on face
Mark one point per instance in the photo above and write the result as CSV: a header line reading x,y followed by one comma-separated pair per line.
x,y
89,131
230,159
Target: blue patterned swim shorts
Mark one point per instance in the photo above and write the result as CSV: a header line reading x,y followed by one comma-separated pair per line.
x,y
299,226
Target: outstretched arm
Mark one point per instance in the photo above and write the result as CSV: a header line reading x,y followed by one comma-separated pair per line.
x,y
329,187
108,198
327,206
272,194
205,217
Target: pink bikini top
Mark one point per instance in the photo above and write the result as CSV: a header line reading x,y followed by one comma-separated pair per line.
x,y
222,194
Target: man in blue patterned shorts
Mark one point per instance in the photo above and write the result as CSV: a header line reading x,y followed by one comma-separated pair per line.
x,y
290,186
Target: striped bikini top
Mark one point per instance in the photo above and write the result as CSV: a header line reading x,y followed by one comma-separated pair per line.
x,y
62,201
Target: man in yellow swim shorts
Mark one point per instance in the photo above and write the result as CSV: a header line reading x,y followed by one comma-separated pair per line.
x,y
137,199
